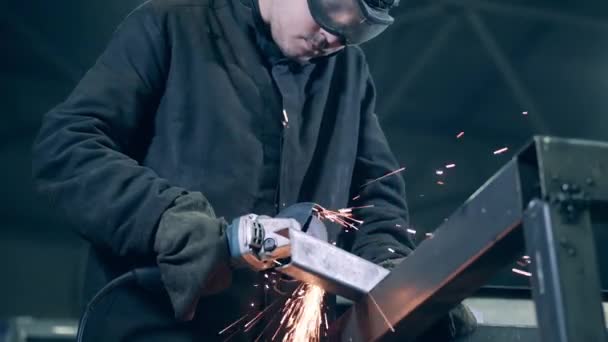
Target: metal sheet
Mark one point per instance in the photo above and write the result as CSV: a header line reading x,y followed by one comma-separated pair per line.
x,y
485,234
481,237
335,270
574,161
560,239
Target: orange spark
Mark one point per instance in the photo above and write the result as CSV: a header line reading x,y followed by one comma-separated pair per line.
x,y
518,271
386,175
258,317
302,315
234,323
343,217
268,325
350,210
252,322
502,150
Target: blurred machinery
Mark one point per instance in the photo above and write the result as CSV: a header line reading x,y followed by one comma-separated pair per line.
x,y
29,329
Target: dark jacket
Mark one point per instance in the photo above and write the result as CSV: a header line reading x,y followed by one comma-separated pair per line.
x,y
184,100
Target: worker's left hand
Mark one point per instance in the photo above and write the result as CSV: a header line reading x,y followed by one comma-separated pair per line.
x,y
459,322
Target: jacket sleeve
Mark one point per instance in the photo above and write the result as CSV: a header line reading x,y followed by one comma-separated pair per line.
x,y
83,156
385,222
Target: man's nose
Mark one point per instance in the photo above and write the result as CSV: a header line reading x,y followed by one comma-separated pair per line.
x,y
333,41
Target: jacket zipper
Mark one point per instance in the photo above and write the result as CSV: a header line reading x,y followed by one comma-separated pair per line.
x,y
278,197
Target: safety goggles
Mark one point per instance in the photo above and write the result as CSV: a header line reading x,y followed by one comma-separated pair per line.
x,y
352,20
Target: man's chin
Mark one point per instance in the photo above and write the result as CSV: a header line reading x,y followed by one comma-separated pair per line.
x,y
306,56
302,59
299,58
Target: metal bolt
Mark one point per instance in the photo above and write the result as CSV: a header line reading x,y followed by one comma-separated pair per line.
x,y
270,245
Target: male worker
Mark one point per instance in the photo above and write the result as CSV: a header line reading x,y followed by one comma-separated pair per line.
x,y
200,110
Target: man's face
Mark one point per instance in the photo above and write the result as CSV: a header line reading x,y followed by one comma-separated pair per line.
x,y
297,34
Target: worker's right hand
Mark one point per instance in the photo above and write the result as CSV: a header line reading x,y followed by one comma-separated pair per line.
x,y
192,253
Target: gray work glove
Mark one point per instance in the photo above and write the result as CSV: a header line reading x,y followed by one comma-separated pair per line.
x,y
192,253
459,322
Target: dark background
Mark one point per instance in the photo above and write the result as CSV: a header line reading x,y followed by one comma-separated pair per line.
x,y
444,67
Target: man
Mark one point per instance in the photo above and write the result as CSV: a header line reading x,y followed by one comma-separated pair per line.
x,y
201,110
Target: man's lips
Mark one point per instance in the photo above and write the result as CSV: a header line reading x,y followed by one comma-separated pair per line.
x,y
315,48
